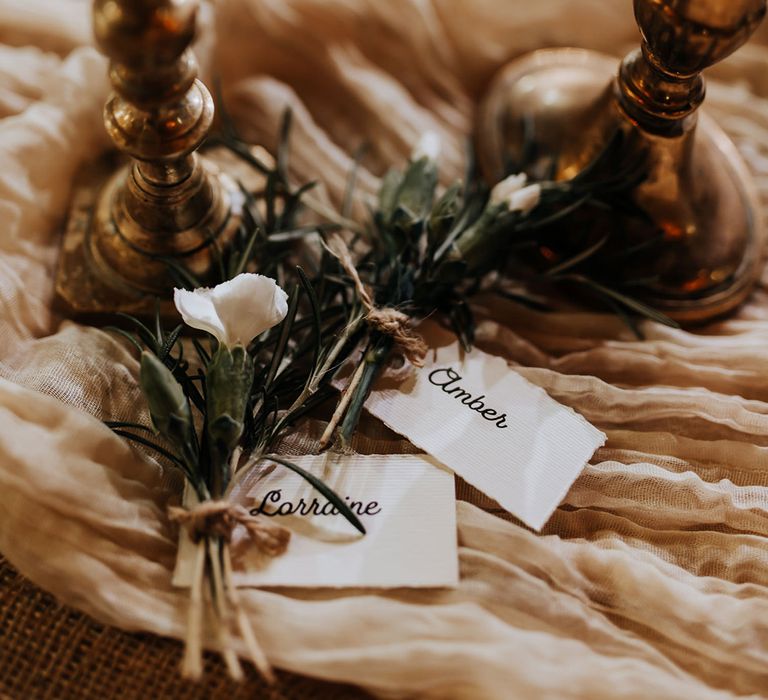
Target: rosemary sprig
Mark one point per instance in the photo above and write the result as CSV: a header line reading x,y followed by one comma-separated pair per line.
x,y
271,226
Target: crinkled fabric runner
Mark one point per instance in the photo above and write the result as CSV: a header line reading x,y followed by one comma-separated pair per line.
x,y
649,581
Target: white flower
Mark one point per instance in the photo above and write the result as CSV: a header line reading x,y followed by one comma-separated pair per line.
x,y
507,187
513,192
525,200
429,147
235,311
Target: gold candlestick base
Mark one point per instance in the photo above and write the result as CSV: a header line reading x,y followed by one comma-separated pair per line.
x,y
89,285
551,113
546,103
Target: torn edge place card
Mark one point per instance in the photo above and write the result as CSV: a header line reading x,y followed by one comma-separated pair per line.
x,y
495,429
406,503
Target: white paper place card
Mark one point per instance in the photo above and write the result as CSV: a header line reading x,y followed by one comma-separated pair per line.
x,y
406,503
502,434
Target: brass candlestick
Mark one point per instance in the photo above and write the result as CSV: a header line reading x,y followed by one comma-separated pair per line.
x,y
555,110
168,205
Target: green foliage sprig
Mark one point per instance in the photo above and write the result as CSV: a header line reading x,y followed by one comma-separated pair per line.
x,y
426,253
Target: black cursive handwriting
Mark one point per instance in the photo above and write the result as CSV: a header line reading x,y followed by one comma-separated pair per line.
x,y
313,507
447,379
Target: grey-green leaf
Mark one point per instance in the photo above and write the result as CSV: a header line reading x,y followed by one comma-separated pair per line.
x,y
228,384
168,405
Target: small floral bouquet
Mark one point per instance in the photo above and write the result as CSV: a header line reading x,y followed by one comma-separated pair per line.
x,y
425,252
220,415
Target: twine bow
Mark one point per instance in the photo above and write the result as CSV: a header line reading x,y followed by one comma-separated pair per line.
x,y
222,517
386,320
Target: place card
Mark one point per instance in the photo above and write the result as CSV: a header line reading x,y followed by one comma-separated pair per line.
x,y
480,418
406,503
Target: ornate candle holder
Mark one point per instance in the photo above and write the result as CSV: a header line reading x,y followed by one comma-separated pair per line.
x,y
168,206
554,111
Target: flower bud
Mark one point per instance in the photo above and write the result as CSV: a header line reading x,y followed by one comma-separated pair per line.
x,y
525,200
429,147
168,406
512,193
228,386
503,190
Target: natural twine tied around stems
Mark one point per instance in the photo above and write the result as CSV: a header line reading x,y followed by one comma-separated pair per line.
x,y
387,320
210,525
220,518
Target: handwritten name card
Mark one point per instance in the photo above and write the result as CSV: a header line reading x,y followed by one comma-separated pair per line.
x,y
502,434
407,504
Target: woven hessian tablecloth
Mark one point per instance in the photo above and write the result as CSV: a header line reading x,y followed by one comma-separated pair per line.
x,y
650,579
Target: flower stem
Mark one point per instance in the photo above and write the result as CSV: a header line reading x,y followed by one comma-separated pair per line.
x,y
317,376
372,364
192,664
222,617
338,414
258,657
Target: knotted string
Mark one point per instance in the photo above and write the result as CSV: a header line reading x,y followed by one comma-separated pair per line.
x,y
386,320
222,517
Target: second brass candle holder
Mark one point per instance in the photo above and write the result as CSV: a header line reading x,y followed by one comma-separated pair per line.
x,y
555,110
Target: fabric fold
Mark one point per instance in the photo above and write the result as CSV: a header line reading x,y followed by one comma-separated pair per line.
x,y
649,580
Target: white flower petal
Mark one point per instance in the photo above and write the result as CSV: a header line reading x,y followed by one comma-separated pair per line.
x,y
525,200
507,187
198,311
429,146
248,305
235,311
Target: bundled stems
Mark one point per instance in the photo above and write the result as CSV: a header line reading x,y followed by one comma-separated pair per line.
x,y
192,664
255,652
213,555
374,361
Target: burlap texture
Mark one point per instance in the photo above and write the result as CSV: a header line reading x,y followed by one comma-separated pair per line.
x,y
51,652
650,579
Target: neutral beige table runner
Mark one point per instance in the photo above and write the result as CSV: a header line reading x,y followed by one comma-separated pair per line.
x,y
650,579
